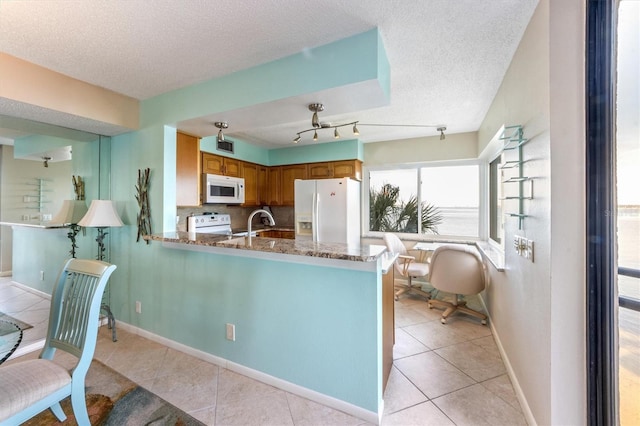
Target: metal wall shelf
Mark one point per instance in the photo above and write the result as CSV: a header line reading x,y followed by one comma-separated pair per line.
x,y
513,138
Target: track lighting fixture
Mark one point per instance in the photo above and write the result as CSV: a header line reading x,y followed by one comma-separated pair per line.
x,y
46,161
221,125
317,125
441,129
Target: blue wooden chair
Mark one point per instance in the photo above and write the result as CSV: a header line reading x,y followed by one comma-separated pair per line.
x,y
29,387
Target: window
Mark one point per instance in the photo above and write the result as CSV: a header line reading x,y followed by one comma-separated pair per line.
x,y
496,218
426,199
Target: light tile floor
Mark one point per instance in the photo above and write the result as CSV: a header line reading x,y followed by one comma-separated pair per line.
x,y
442,374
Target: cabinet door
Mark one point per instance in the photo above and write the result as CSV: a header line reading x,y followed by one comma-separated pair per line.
x,y
250,175
262,185
274,186
289,175
213,164
291,235
320,170
187,170
232,167
348,168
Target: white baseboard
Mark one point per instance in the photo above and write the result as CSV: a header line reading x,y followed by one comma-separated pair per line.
x,y
6,273
32,290
526,410
320,398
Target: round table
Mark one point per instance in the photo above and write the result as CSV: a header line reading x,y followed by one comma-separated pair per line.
x,y
10,338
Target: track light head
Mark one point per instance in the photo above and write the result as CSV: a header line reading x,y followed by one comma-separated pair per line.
x,y
336,135
441,129
315,135
221,125
296,139
315,122
356,132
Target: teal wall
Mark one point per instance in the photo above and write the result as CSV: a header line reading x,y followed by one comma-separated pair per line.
x,y
315,327
30,145
241,150
330,151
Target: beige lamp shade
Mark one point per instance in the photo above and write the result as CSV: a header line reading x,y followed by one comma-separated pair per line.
x,y
71,212
102,213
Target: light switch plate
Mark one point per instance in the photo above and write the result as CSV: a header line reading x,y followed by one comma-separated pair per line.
x,y
528,252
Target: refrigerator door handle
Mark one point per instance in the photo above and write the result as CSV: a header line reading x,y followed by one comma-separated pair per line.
x,y
314,217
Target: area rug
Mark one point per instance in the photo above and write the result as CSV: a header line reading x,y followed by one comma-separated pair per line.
x,y
114,400
23,325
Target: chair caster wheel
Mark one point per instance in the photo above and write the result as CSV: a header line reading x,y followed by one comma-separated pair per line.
x,y
443,320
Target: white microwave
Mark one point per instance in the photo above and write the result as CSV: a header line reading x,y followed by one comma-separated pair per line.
x,y
223,189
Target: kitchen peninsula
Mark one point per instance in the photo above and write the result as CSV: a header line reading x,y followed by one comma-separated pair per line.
x,y
312,318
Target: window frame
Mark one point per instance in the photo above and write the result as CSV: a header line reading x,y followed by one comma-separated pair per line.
x,y
482,203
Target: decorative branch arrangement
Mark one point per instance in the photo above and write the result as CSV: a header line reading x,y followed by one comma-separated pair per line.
x,y
78,187
142,196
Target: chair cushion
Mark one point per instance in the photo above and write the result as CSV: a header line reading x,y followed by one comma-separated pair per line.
x,y
26,382
417,269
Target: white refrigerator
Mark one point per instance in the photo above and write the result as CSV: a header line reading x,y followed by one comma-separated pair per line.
x,y
328,210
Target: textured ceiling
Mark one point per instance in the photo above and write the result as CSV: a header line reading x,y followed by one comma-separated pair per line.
x,y
447,57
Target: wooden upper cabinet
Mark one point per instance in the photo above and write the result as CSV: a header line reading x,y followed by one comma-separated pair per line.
x,y
250,175
274,186
347,168
289,175
187,170
320,170
213,164
336,169
232,167
219,165
262,185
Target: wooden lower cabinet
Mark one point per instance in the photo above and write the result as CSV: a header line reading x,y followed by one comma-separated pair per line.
x,y
274,233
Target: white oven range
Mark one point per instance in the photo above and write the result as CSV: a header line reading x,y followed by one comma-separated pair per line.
x,y
210,224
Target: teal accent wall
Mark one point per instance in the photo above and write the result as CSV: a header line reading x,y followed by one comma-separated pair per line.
x,y
29,145
309,325
315,327
347,61
330,151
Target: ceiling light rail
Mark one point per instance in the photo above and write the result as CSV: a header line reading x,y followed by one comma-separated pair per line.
x,y
317,125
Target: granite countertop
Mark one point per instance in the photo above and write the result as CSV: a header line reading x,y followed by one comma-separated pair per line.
x,y
337,251
41,225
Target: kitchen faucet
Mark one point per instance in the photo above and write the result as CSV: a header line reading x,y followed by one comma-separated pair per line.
x,y
253,213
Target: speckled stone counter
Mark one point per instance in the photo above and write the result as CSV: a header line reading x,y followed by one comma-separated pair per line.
x,y
335,251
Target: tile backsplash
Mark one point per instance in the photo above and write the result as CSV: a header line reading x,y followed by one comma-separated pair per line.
x,y
284,216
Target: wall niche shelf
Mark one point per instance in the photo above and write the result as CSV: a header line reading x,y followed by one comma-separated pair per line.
x,y
40,189
514,140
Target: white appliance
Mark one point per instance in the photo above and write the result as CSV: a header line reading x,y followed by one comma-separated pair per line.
x,y
223,189
209,224
328,210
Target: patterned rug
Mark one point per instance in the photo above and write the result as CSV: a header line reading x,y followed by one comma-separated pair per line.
x,y
8,318
114,400
11,330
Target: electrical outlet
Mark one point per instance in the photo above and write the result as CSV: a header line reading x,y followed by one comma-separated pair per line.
x,y
41,275
519,244
231,332
138,307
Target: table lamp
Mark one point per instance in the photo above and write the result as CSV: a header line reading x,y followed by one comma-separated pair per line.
x,y
101,214
71,213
